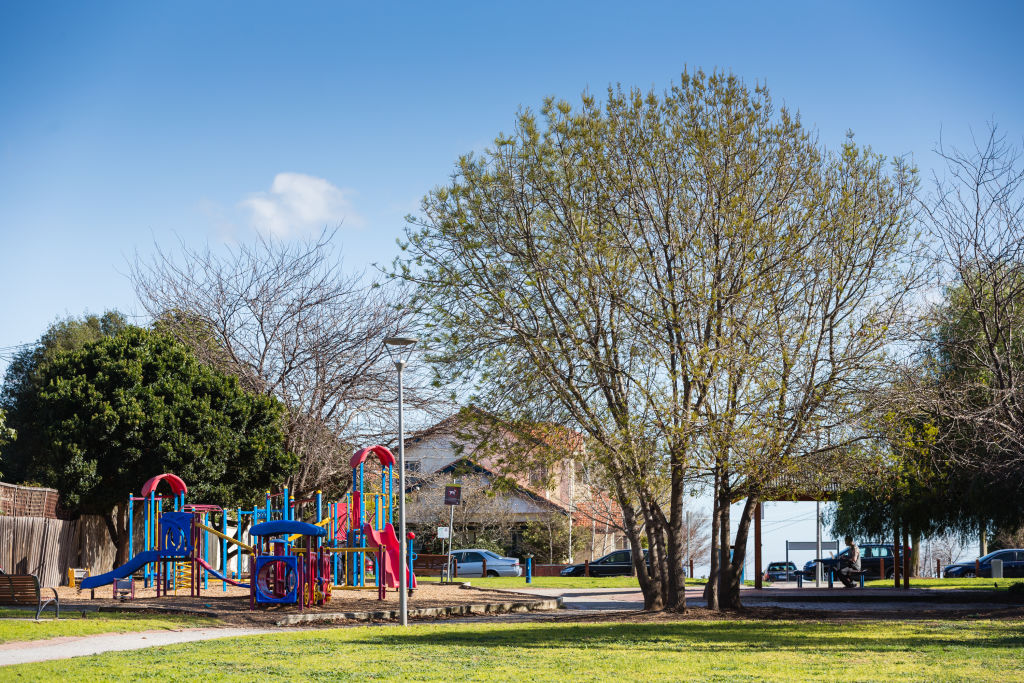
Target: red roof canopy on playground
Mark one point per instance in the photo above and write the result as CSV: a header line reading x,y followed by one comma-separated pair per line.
x,y
385,456
173,480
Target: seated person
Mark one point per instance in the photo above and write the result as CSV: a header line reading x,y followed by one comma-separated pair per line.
x,y
850,563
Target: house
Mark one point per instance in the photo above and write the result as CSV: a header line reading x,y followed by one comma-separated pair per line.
x,y
534,475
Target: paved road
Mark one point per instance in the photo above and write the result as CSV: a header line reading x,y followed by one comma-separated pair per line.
x,y
62,648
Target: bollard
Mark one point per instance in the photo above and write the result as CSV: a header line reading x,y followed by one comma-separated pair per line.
x,y
586,567
691,567
800,580
881,568
529,569
483,570
830,574
938,568
862,580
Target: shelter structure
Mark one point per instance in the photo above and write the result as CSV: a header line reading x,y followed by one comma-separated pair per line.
x,y
814,478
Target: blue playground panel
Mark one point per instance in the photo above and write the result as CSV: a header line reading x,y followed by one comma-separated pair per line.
x,y
268,571
176,534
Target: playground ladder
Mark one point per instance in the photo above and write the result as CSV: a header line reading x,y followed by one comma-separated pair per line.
x,y
182,575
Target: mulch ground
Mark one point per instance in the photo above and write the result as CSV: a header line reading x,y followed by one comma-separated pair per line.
x,y
232,606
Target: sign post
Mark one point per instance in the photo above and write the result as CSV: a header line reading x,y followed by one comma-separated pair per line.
x,y
452,497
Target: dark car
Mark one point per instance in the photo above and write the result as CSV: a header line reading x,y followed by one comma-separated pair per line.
x,y
616,563
1013,565
872,556
780,571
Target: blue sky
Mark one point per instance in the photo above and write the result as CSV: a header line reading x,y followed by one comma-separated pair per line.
x,y
128,124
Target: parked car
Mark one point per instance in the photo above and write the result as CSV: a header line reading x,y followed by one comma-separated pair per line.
x,y
1013,565
615,563
471,563
780,571
871,557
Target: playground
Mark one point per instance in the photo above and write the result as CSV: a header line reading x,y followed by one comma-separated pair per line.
x,y
310,555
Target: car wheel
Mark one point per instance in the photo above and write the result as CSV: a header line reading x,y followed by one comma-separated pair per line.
x,y
889,573
491,572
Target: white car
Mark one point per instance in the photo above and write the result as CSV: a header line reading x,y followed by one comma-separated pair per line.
x,y
471,563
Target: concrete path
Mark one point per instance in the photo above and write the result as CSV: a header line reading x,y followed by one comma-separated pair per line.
x,y
80,646
836,600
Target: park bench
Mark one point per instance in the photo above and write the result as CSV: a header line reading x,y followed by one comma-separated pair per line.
x,y
434,565
855,575
23,590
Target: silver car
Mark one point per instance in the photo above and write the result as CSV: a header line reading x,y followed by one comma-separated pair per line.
x,y
472,562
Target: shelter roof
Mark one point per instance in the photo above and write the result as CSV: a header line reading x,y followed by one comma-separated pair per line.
x,y
816,477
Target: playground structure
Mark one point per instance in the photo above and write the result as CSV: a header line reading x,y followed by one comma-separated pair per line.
x,y
351,547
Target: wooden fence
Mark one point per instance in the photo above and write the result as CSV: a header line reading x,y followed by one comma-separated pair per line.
x,y
34,545
27,501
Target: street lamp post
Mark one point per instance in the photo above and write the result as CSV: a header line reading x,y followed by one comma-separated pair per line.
x,y
399,349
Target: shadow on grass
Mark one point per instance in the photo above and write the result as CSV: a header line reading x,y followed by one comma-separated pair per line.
x,y
712,635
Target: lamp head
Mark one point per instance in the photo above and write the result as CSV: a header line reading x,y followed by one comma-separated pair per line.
x,y
399,349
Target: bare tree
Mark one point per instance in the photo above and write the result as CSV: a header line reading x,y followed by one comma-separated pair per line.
x,y
946,549
696,537
486,514
976,212
288,321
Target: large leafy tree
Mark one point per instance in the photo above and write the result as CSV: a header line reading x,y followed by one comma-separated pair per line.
x,y
21,381
115,412
689,279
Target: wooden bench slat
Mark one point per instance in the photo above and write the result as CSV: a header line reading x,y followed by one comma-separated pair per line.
x,y
24,589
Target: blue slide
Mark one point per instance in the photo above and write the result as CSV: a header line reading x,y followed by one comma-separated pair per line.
x,y
126,569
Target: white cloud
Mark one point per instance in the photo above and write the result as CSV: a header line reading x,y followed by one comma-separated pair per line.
x,y
297,203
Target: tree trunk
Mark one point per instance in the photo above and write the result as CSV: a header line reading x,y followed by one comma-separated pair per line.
x,y
724,560
730,596
897,559
653,597
123,535
711,587
915,553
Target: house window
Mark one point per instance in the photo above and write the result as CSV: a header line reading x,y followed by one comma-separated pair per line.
x,y
412,466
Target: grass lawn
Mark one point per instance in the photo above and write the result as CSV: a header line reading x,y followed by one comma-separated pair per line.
x,y
661,651
559,581
547,581
17,625
976,583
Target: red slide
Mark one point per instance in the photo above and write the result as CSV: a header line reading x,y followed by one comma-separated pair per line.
x,y
389,540
213,572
